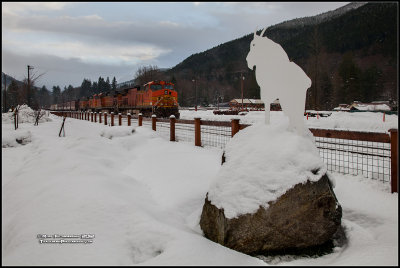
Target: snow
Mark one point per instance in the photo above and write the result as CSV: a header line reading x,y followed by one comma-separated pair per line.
x,y
259,169
372,107
25,115
357,121
14,138
142,197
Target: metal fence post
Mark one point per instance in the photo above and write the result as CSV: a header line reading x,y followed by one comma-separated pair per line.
x,y
235,126
140,120
105,118
153,122
197,132
119,119
100,117
112,119
129,119
91,116
95,117
172,121
393,155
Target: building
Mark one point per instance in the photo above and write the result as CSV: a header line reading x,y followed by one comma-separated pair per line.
x,y
375,106
372,106
253,104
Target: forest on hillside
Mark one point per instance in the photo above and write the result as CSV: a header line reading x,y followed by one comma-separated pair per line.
x,y
349,57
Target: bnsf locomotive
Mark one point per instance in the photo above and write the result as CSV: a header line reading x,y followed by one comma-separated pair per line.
x,y
155,97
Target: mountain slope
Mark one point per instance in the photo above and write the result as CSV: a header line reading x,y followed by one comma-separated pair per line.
x,y
358,36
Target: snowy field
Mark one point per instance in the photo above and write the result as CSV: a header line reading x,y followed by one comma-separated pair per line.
x,y
357,121
142,196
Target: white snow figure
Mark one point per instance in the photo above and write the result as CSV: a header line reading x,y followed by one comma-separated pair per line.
x,y
279,78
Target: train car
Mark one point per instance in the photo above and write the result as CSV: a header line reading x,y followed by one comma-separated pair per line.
x,y
163,98
107,101
83,104
155,97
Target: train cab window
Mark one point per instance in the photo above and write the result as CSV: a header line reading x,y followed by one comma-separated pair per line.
x,y
166,92
168,87
170,93
156,87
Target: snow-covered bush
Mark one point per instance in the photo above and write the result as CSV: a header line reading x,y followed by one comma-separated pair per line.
x,y
25,115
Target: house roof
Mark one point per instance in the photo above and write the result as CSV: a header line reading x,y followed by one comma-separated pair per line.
x,y
251,101
373,106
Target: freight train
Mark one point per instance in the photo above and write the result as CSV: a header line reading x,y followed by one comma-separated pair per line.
x,y
155,97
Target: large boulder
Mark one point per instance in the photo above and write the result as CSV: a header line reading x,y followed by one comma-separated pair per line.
x,y
272,194
307,215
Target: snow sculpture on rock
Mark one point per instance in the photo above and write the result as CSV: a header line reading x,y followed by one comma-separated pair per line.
x,y
279,78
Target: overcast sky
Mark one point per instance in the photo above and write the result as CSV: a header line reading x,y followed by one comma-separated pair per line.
x,y
72,41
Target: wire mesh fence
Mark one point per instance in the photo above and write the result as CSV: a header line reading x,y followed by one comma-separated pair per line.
x,y
184,132
215,136
371,159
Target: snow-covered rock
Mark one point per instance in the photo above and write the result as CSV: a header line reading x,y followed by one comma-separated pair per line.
x,y
272,193
262,163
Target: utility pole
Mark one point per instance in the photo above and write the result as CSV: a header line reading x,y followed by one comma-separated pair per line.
x,y
28,93
5,93
242,79
195,89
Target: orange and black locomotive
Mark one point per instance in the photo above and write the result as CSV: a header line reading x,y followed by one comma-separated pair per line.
x,y
155,97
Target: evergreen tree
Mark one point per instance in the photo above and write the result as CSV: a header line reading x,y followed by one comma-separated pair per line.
x,y
114,84
44,97
350,75
371,83
326,96
107,85
86,88
94,89
13,93
56,94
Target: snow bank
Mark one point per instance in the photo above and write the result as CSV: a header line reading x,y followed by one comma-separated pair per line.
x,y
14,138
142,197
357,121
262,163
25,115
121,131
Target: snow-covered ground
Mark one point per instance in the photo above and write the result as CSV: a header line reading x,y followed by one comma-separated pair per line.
x,y
357,121
142,196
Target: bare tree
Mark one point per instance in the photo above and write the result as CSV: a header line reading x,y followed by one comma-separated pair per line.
x,y
28,90
149,73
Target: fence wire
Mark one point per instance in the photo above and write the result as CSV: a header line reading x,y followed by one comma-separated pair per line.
x,y
371,159
215,136
184,132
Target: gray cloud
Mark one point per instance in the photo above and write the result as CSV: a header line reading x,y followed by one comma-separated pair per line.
x,y
60,71
131,43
